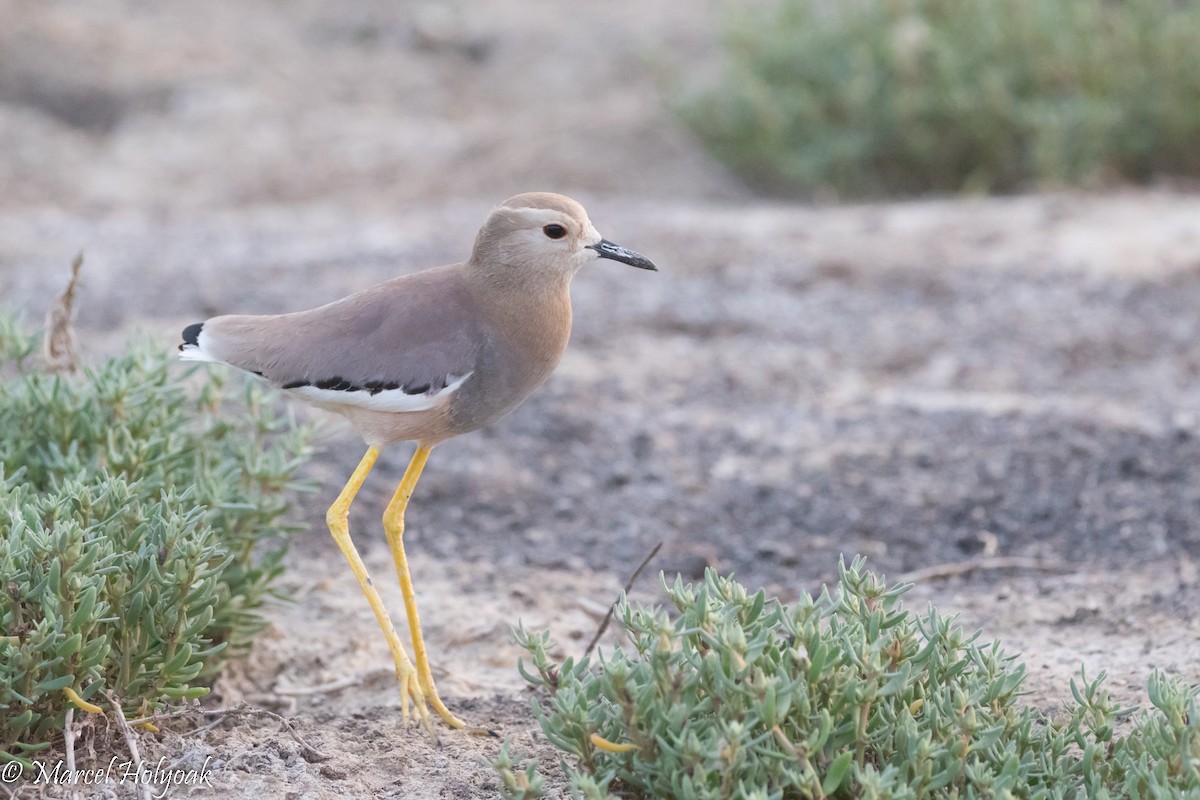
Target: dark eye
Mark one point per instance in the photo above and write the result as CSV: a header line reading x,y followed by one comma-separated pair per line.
x,y
555,231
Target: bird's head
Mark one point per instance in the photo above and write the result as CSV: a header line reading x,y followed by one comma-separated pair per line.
x,y
544,234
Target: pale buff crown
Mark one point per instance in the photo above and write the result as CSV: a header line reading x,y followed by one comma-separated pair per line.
x,y
520,237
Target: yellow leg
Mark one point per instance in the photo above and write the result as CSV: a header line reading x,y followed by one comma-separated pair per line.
x,y
393,525
338,520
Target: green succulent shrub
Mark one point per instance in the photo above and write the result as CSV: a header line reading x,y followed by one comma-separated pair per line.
x,y
846,695
870,97
139,534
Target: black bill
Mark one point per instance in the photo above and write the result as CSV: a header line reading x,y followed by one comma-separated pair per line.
x,y
607,249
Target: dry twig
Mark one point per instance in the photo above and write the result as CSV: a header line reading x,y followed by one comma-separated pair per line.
x,y
243,710
58,342
143,789
69,744
955,568
182,712
629,585
332,686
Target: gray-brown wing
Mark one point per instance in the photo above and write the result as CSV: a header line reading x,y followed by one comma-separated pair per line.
x,y
411,336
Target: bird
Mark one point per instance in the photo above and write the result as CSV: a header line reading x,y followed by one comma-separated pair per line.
x,y
422,358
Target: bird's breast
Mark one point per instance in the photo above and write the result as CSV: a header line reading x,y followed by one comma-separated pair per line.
x,y
519,352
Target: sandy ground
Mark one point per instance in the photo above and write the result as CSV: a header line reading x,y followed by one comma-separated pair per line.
x,y
920,382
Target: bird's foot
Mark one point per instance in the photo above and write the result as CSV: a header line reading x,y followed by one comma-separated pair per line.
x,y
410,689
454,722
430,691
424,699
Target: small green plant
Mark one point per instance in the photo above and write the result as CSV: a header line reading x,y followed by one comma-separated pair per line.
x,y
517,783
139,534
847,695
869,97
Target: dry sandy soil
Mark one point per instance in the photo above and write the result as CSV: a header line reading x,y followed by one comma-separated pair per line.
x,y
921,382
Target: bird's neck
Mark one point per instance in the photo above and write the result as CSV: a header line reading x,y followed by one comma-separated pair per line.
x,y
535,312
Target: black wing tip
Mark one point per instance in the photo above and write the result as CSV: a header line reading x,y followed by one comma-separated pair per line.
x,y
373,387
191,335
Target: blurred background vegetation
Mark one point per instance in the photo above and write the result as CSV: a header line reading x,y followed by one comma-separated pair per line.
x,y
884,97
